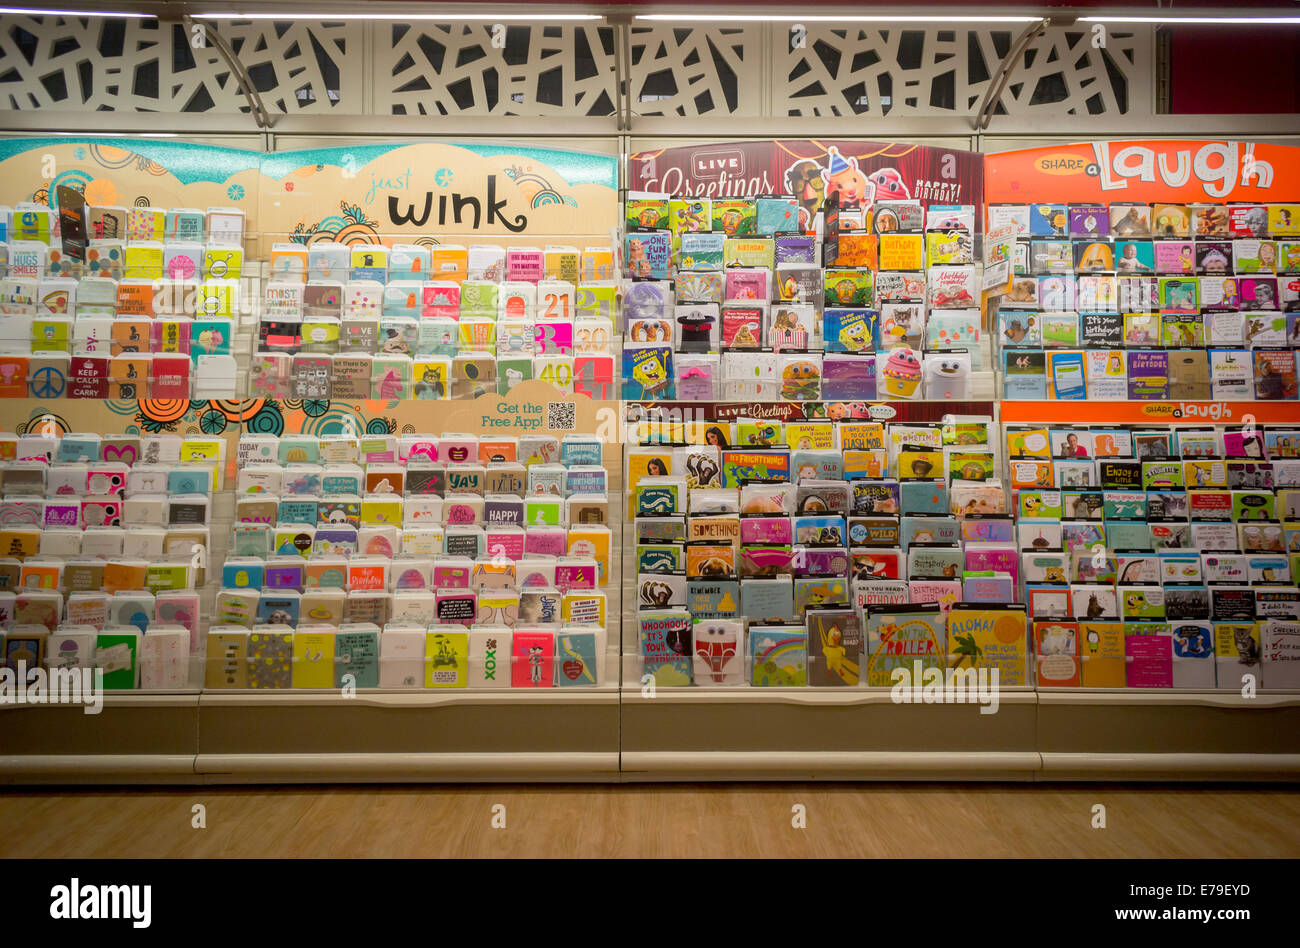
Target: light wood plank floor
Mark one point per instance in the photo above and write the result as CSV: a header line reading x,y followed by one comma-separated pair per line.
x,y
741,820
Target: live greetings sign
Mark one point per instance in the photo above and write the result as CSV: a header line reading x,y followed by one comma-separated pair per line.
x,y
1145,171
861,172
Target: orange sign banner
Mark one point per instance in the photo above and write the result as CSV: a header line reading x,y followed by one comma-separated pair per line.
x,y
1139,413
1178,172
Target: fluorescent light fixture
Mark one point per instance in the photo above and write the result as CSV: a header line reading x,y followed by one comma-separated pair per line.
x,y
1171,20
827,18
116,134
33,11
954,18
342,14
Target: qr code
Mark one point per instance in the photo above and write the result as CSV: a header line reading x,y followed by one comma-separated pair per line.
x,y
561,416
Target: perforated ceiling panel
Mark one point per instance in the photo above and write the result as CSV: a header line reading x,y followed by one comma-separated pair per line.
x,y
937,72
747,71
696,71
461,69
98,64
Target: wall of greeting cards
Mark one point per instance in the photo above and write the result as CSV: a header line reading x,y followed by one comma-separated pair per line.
x,y
800,521
810,458
158,269
220,481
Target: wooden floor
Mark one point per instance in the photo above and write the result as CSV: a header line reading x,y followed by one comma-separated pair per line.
x,y
742,820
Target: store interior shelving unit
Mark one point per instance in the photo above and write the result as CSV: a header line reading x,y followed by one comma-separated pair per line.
x,y
614,732
250,736
1036,734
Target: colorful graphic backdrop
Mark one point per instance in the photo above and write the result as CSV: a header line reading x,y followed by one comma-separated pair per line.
x,y
381,193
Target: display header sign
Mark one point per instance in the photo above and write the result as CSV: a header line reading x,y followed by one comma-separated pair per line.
x,y
1138,413
860,172
1145,171
363,193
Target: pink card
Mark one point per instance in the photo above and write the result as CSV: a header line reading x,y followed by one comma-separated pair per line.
x,y
426,450
462,512
1150,662
546,541
524,264
101,512
575,576
765,530
510,545
171,335
440,299
451,575
553,337
180,607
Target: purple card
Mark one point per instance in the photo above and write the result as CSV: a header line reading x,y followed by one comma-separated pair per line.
x,y
848,377
1089,220
545,541
284,576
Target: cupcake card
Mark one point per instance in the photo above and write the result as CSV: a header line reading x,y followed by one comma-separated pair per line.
x,y
900,374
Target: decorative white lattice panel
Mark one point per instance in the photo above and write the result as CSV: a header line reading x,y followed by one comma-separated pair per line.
x,y
696,71
132,65
460,69
899,72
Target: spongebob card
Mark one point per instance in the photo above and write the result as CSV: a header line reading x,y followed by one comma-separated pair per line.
x,y
647,372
